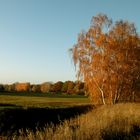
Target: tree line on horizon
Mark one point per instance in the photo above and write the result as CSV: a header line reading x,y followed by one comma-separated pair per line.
x,y
67,87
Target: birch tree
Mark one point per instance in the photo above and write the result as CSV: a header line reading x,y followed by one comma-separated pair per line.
x,y
107,58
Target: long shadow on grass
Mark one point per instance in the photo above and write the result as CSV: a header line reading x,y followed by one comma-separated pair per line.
x,y
134,134
13,119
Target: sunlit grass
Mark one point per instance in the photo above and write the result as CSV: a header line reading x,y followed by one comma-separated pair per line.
x,y
108,122
121,121
45,101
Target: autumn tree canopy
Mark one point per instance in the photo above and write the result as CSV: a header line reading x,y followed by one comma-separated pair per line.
x,y
107,58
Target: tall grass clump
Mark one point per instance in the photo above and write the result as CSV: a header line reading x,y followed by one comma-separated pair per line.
x,y
107,122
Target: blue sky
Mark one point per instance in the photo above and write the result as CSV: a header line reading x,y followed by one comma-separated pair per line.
x,y
35,35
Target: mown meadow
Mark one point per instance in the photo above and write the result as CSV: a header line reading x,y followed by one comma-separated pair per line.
x,y
48,100
22,111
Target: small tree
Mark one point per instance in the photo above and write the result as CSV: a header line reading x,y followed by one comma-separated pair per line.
x,y
70,89
79,88
1,87
57,87
65,87
108,59
37,88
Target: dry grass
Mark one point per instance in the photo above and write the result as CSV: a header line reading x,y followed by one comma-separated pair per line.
x,y
116,122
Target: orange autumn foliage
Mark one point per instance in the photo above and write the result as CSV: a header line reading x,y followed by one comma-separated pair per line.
x,y
108,60
22,87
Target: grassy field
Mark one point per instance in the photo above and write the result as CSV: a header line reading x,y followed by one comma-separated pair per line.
x,y
35,110
32,112
41,100
114,122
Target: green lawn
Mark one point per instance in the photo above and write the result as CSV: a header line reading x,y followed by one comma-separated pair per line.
x,y
41,100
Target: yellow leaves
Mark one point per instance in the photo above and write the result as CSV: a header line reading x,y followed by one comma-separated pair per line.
x,y
75,54
106,56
